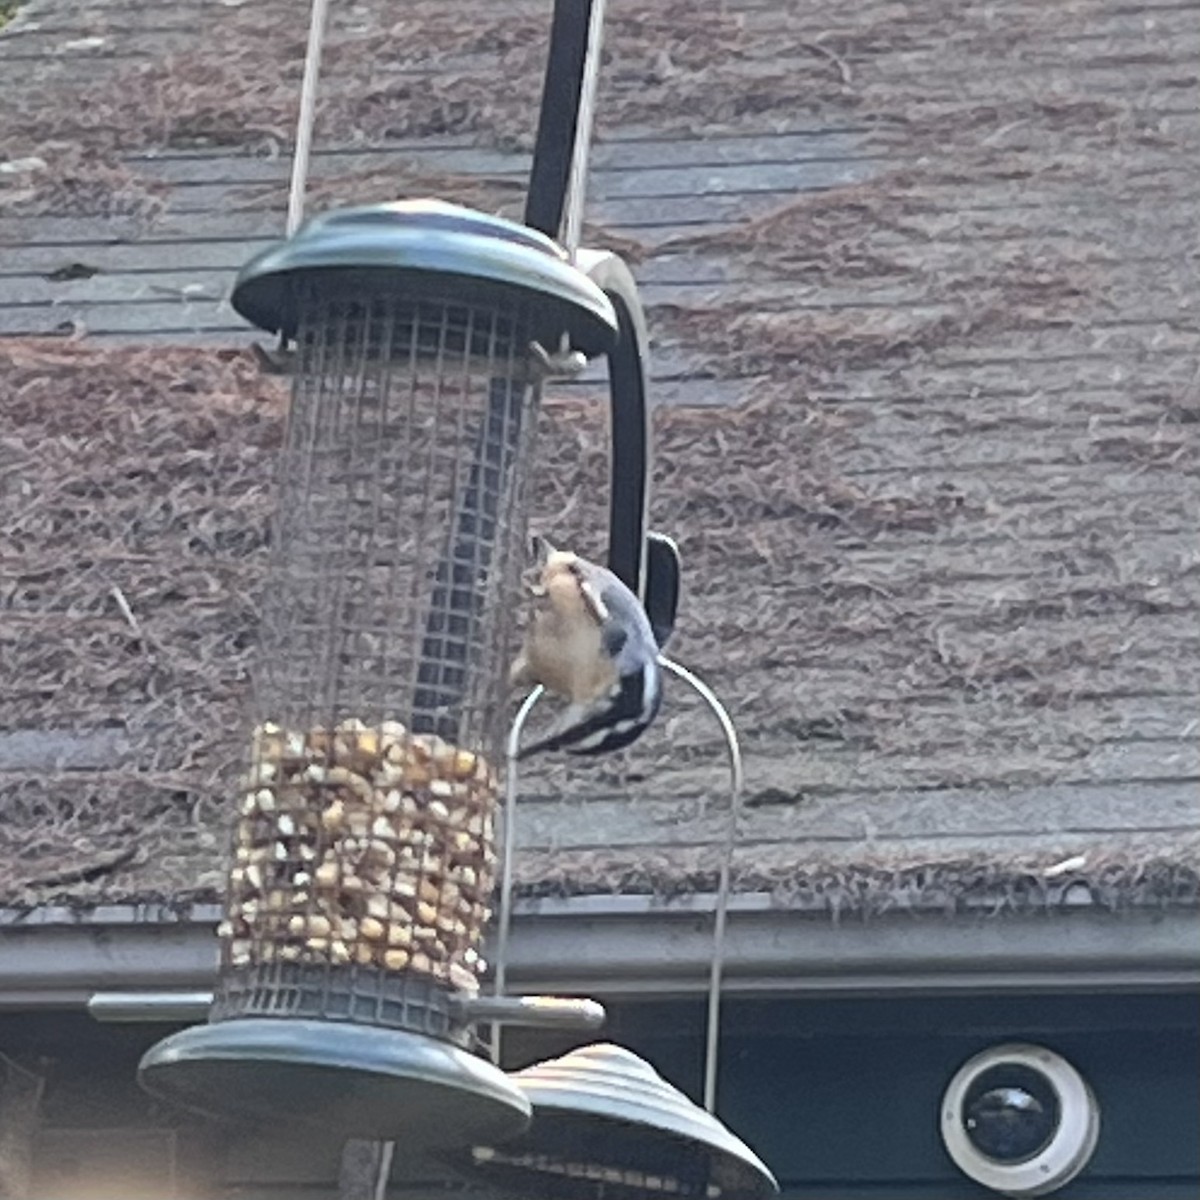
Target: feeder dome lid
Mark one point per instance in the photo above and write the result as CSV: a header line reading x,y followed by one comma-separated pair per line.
x,y
603,1115
427,249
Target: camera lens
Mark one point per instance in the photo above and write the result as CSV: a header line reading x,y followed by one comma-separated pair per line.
x,y
1011,1113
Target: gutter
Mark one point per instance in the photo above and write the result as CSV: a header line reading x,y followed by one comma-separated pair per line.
x,y
624,947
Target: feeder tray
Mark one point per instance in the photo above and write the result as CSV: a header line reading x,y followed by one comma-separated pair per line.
x,y
606,1124
347,1080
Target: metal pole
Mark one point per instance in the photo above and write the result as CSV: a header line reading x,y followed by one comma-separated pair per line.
x,y
504,921
577,183
737,781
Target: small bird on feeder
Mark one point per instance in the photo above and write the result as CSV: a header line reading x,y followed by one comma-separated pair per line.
x,y
590,642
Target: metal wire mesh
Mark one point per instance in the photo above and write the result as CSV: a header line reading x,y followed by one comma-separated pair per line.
x,y
365,835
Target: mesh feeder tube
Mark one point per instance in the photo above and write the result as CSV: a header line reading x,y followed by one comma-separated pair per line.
x,y
363,855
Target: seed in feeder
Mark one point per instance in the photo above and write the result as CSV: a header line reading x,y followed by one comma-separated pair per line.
x,y
426,913
318,945
296,926
475,826
422,963
465,764
378,857
395,960
347,928
328,874
400,935
264,800
470,957
339,952
364,955
289,953
389,774
462,979
441,789
319,926
266,952
358,824
307,852
425,745
301,879
359,748
428,891
225,929
404,889
372,929
392,731
341,777
467,876
315,773
381,827
378,906
253,876
449,923
286,825
262,771
239,952
437,810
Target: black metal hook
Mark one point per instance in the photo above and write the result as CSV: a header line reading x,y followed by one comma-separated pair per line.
x,y
646,562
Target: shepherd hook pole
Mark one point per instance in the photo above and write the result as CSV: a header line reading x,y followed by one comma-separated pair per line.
x,y
737,780
508,852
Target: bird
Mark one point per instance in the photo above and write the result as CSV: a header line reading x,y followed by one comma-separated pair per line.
x,y
590,642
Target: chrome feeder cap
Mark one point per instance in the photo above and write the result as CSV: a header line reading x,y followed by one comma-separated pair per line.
x,y
606,1124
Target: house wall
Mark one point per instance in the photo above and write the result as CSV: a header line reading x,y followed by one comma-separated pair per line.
x,y
840,1098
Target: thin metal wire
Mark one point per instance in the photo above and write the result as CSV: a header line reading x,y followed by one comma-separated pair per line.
x,y
737,780
577,181
508,855
308,108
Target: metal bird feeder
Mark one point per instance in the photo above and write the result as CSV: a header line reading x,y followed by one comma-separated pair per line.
x,y
364,861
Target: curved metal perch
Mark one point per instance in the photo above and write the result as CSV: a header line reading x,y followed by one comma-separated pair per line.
x,y
721,909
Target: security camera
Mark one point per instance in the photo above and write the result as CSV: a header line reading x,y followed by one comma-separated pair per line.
x,y
1020,1120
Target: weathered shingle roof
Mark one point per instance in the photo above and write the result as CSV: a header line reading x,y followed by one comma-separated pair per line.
x,y
927,435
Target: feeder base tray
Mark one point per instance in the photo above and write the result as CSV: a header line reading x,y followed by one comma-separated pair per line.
x,y
348,1080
